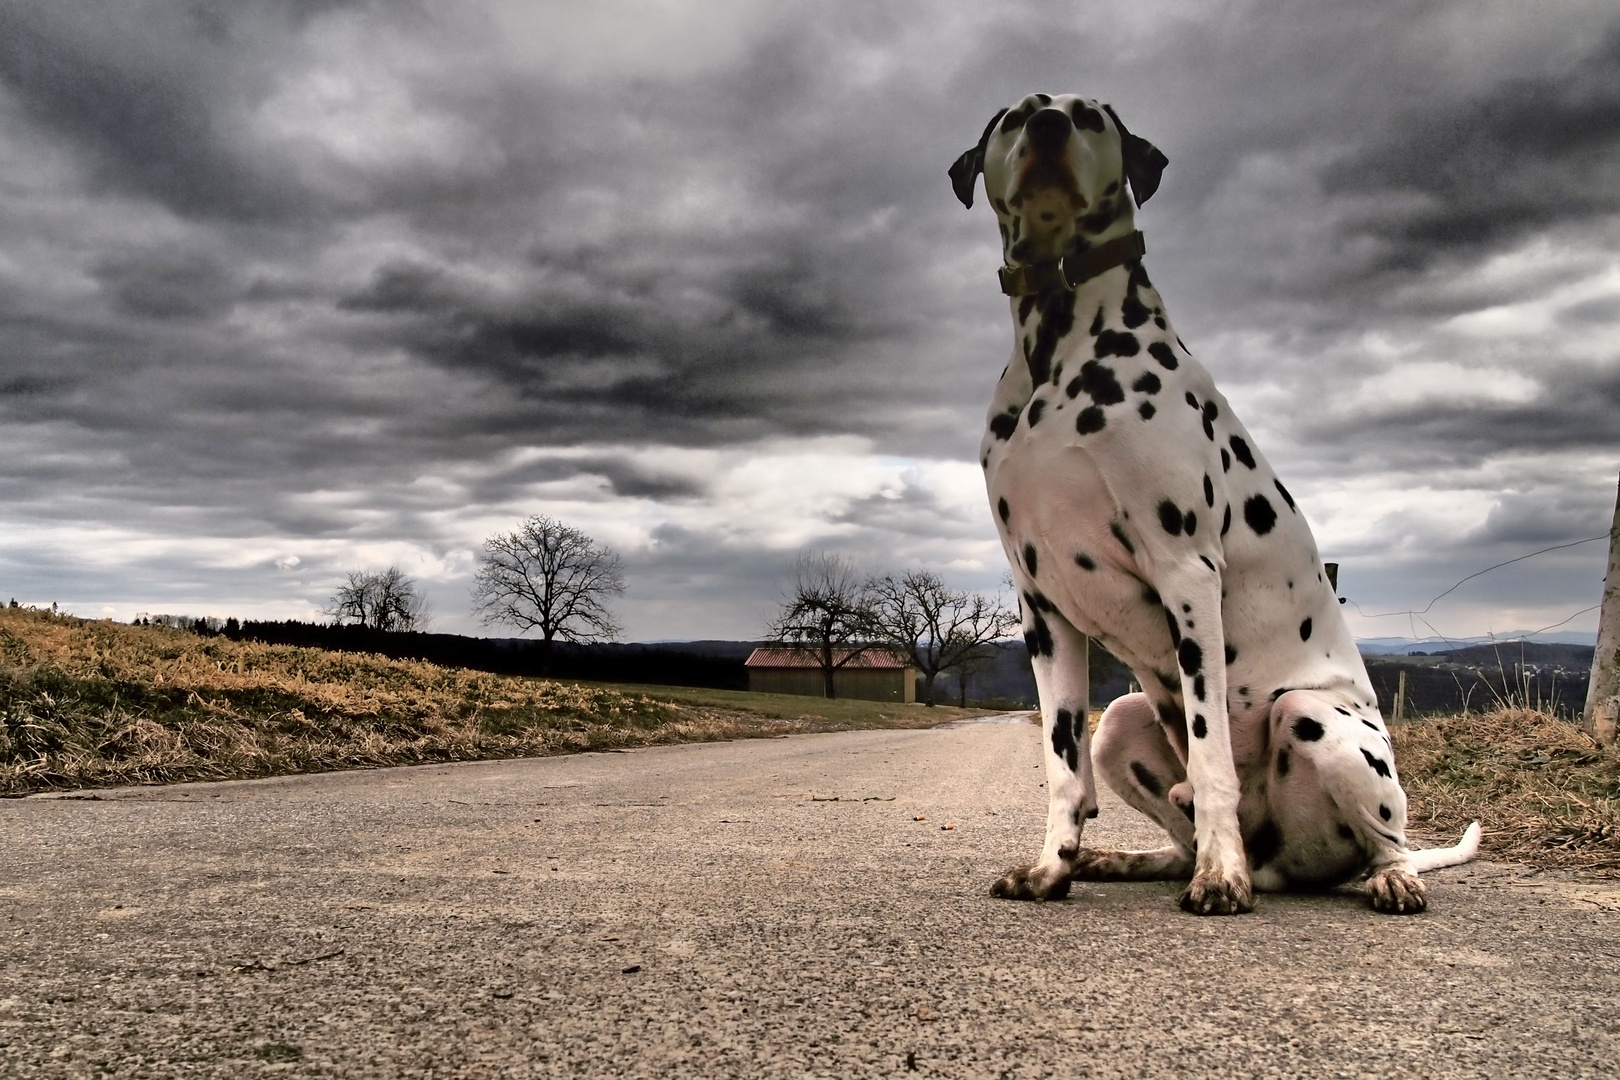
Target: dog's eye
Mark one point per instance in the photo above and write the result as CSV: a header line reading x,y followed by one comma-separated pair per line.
x,y
1085,117
1014,120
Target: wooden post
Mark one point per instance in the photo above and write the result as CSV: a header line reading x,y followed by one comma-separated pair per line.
x,y
1400,698
1603,691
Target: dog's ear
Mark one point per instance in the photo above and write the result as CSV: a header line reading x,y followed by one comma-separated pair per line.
x,y
1144,162
966,169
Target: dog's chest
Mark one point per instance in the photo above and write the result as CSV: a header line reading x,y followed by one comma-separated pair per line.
x,y
1109,456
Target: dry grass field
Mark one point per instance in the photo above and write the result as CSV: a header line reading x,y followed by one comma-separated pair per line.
x,y
1543,790
88,704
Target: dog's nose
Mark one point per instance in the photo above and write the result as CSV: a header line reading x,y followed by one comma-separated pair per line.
x,y
1048,130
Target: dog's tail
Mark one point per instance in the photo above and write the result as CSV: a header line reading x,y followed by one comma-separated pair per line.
x,y
1435,858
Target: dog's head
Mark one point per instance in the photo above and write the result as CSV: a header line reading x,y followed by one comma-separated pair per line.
x,y
1055,169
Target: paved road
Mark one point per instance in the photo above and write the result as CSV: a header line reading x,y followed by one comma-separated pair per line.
x,y
712,911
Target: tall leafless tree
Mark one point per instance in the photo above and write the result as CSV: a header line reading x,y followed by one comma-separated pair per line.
x,y
938,628
550,577
827,612
380,600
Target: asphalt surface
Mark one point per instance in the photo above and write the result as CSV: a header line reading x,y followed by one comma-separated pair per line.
x,y
807,906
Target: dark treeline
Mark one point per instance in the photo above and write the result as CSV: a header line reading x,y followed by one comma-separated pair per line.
x,y
714,664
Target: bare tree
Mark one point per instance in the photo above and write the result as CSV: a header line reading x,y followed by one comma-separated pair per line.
x,y
828,612
938,628
380,600
550,577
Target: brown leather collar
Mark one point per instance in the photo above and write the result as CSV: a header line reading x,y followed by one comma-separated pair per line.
x,y
1071,271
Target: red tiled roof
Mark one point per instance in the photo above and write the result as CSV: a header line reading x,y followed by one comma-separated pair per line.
x,y
809,658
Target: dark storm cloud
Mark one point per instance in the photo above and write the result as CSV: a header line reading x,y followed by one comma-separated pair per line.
x,y
1484,170
147,91
1575,410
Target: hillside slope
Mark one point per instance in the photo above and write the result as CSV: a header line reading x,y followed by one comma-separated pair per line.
x,y
96,703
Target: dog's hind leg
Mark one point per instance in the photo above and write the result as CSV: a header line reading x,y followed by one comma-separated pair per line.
x,y
1058,655
1355,766
1130,752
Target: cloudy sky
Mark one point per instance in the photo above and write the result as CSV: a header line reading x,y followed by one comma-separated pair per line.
x,y
292,287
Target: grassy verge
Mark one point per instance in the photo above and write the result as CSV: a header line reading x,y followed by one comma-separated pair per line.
x,y
1544,792
85,704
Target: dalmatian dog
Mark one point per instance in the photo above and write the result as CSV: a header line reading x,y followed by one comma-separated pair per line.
x,y
1136,509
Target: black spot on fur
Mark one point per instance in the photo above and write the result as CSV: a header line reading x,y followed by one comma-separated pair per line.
x,y
1241,449
1383,811
1192,399
1378,764
1133,311
1147,383
1370,724
1209,491
1063,743
1099,381
1038,638
1025,306
1282,763
1090,420
1164,355
1116,343
1029,559
1119,534
1231,655
1092,812
1257,511
1199,727
1097,323
1147,410
1287,498
1149,782
1226,460
1211,411
1341,710
1150,594
1191,656
1175,628
1002,425
1226,519
1264,844
1084,561
1170,517
1198,686
1308,729
1074,817
1205,560
1346,832
1190,523
1003,509
1057,319
1036,407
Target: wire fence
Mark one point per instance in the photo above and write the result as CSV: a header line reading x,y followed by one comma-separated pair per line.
x,y
1551,678
1415,615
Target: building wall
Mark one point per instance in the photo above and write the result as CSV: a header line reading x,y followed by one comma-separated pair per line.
x,y
869,684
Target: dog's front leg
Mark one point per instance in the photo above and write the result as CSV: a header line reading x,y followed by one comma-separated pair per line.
x,y
1221,883
1058,654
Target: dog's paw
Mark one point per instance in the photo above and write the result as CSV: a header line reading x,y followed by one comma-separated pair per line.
x,y
1397,892
1212,893
1032,883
